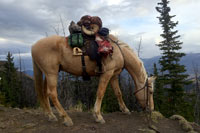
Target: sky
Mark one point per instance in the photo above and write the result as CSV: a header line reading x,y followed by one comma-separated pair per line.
x,y
23,22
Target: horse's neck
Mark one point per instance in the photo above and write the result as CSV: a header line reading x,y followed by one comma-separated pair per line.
x,y
132,63
135,67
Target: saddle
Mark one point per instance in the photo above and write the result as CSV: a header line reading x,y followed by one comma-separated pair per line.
x,y
90,45
94,45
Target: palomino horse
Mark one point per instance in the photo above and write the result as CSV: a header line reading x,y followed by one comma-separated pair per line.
x,y
53,53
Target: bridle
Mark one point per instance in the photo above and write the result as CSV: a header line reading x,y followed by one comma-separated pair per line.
x,y
147,110
146,86
146,83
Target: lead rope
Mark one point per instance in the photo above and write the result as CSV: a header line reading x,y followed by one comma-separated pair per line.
x,y
147,109
148,112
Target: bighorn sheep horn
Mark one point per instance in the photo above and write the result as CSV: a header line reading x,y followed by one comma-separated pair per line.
x,y
94,28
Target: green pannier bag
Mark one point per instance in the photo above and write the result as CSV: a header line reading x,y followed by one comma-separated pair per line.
x,y
75,40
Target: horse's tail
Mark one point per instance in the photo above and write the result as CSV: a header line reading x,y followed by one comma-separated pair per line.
x,y
39,83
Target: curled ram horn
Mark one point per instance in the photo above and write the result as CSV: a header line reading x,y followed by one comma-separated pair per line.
x,y
94,28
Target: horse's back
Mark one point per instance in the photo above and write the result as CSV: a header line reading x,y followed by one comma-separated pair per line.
x,y
46,52
47,43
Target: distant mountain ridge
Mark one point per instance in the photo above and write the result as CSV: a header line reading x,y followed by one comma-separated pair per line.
x,y
188,61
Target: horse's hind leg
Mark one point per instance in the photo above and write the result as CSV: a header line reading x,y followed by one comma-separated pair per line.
x,y
115,85
48,110
52,92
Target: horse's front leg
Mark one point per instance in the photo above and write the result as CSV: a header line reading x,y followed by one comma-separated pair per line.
x,y
103,82
115,86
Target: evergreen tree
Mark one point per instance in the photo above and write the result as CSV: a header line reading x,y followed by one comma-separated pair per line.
x,y
158,93
173,77
10,83
109,103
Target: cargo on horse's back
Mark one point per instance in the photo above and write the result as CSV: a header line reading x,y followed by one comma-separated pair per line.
x,y
53,53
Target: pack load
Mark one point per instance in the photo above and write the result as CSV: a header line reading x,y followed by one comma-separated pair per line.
x,y
88,37
105,47
90,25
90,28
76,40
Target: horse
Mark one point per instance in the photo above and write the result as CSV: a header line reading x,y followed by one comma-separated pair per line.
x,y
53,53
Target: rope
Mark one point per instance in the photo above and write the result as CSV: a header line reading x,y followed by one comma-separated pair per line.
x,y
116,42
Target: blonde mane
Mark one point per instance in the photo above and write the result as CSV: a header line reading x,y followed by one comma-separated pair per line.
x,y
122,44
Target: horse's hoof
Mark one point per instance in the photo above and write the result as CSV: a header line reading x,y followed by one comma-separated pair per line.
x,y
53,118
99,119
68,123
102,121
127,113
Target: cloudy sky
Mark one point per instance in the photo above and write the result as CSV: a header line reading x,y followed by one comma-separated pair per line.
x,y
23,22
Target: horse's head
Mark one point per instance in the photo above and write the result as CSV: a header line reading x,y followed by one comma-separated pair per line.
x,y
145,95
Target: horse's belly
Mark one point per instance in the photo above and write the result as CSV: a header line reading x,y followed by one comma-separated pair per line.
x,y
74,66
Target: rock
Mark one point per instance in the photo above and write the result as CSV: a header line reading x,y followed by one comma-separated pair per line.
x,y
17,108
2,126
177,117
152,127
155,116
147,130
27,111
192,132
186,126
29,125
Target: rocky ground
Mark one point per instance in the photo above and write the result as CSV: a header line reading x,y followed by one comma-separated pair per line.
x,y
34,121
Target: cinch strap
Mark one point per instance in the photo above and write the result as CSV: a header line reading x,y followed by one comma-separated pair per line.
x,y
85,74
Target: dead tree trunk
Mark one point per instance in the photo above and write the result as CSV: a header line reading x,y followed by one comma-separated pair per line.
x,y
197,92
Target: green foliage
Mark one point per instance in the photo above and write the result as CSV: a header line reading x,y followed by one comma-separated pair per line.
x,y
2,98
169,94
109,103
159,92
11,86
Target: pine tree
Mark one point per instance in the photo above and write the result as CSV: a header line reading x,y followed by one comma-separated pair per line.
x,y
109,103
158,93
10,83
173,73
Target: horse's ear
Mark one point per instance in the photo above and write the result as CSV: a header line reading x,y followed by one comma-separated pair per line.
x,y
152,78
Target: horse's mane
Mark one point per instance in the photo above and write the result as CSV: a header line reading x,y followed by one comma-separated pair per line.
x,y
122,44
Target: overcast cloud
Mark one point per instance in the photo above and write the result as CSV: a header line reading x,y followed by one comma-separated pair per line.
x,y
23,22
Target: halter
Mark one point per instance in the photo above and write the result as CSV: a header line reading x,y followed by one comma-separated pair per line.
x,y
145,86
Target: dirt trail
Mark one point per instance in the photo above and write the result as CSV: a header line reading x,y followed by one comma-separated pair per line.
x,y
30,121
